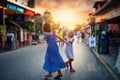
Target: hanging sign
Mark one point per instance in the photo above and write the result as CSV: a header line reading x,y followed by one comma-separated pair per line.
x,y
92,41
16,8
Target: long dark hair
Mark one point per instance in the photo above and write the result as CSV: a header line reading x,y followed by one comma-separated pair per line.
x,y
47,27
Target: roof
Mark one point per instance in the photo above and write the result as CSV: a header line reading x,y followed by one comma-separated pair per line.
x,y
107,6
26,7
99,2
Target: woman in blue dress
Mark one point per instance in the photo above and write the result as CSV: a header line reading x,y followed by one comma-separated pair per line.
x,y
53,60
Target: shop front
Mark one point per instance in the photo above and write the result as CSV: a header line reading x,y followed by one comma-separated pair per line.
x,y
12,14
108,21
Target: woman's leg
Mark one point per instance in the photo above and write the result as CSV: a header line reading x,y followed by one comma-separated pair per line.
x,y
58,75
49,75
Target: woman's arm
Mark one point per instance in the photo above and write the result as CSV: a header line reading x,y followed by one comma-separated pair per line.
x,y
61,39
71,41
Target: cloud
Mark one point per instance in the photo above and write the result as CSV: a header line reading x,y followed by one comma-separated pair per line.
x,y
73,4
78,10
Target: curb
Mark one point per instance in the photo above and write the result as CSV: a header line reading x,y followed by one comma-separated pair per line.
x,y
106,65
5,52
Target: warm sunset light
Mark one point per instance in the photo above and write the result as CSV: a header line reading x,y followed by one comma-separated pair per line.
x,y
70,14
67,12
59,39
68,18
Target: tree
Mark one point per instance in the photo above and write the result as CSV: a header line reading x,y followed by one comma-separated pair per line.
x,y
49,19
78,27
38,23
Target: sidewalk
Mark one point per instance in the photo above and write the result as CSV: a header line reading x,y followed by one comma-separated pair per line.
x,y
109,62
3,51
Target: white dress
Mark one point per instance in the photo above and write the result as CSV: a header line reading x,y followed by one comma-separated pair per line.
x,y
69,48
78,33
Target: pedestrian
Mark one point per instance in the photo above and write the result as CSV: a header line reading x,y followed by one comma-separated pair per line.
x,y
82,36
69,49
9,40
60,33
64,31
53,60
78,35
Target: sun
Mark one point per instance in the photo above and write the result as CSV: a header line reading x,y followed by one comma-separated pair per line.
x,y
68,19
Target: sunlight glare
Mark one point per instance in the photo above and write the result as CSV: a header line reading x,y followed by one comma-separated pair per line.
x,y
67,19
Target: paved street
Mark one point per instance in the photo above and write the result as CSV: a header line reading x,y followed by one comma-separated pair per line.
x,y
26,64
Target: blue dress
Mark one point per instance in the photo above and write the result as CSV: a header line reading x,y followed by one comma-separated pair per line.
x,y
53,60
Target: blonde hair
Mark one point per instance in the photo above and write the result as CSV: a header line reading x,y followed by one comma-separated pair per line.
x,y
70,33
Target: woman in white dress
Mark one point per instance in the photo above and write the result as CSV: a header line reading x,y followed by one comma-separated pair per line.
x,y
78,35
69,49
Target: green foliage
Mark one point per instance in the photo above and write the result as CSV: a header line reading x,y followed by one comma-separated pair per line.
x,y
56,26
31,29
14,29
49,19
78,27
38,23
3,31
47,12
2,28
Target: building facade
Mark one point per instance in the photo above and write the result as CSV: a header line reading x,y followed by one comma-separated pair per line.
x,y
11,14
107,14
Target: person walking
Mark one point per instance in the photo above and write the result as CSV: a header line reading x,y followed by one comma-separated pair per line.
x,y
60,33
78,36
69,49
82,36
53,60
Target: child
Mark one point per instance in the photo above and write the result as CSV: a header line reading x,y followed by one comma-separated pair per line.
x,y
69,49
53,60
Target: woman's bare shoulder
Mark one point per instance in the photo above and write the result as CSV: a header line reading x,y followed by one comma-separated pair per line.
x,y
48,33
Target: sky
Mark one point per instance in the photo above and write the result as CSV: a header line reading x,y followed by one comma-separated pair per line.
x,y
67,12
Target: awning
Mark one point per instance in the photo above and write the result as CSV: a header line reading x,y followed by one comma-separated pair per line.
x,y
114,18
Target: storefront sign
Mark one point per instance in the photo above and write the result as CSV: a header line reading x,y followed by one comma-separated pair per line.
x,y
14,7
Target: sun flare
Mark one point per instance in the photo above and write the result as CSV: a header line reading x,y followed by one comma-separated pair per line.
x,y
66,18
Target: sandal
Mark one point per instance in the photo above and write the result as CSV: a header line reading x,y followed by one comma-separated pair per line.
x,y
72,70
48,75
58,76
